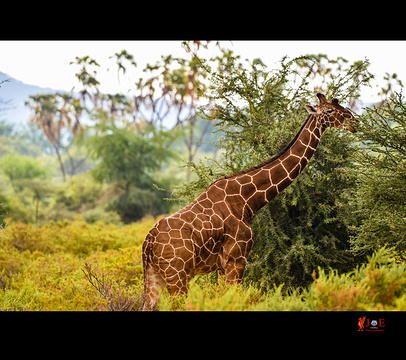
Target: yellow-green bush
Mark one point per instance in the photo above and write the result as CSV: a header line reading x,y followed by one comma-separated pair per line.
x,y
50,268
77,237
41,268
380,284
206,296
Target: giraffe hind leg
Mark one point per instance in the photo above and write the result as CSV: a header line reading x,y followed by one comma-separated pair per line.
x,y
178,284
153,283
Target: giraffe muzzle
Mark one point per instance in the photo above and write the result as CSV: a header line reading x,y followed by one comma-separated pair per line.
x,y
350,125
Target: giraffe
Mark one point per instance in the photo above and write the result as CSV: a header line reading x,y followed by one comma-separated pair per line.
x,y
213,232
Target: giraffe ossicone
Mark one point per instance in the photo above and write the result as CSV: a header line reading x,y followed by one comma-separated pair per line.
x,y
213,232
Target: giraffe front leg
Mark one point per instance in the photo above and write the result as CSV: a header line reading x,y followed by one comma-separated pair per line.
x,y
235,270
236,252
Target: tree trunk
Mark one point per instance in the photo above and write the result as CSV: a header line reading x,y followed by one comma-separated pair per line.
x,y
60,163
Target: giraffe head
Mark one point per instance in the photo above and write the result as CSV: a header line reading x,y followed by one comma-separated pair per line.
x,y
332,114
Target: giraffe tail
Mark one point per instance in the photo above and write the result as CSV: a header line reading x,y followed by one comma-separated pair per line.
x,y
150,298
147,250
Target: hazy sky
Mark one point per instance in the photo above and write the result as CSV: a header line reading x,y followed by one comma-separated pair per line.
x,y
46,63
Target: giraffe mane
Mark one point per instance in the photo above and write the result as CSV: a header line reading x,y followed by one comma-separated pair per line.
x,y
266,162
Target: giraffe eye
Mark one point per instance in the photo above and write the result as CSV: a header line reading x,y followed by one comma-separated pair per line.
x,y
330,111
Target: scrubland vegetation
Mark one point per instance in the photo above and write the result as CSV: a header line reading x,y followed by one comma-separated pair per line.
x,y
79,266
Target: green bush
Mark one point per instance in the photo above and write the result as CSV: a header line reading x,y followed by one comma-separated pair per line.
x,y
20,167
98,214
134,203
81,192
377,201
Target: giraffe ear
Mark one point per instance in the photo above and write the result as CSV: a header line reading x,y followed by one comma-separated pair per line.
x,y
310,109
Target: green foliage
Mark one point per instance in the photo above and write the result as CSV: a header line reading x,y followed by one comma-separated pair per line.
x,y
19,167
27,176
129,160
99,214
81,191
125,157
134,203
379,198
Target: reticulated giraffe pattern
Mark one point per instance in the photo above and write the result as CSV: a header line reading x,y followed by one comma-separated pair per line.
x,y
213,232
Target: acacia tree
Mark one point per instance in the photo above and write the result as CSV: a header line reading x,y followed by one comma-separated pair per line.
x,y
259,112
378,200
130,138
170,89
58,115
162,104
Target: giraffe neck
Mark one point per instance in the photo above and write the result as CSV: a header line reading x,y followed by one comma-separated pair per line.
x,y
275,174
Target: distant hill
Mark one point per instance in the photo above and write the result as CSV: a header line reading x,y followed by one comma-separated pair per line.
x,y
13,94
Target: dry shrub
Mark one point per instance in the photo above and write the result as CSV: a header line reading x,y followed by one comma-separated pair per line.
x,y
116,295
